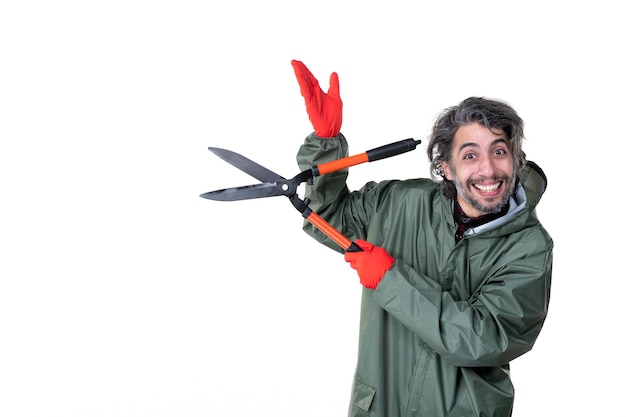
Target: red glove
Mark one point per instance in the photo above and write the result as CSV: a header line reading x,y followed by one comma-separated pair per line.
x,y
371,263
325,110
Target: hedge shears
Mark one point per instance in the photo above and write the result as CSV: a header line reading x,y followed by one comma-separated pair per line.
x,y
273,184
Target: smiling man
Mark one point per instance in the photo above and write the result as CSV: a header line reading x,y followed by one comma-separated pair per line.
x,y
476,149
455,269
481,167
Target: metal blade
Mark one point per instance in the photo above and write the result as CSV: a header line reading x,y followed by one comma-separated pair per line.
x,y
246,165
267,189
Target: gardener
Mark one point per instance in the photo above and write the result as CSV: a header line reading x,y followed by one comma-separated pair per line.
x,y
455,270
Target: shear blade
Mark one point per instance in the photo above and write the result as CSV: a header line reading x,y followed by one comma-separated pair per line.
x,y
246,165
246,192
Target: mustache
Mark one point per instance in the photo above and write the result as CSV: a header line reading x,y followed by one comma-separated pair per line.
x,y
503,178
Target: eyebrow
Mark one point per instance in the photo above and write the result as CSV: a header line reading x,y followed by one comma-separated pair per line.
x,y
475,145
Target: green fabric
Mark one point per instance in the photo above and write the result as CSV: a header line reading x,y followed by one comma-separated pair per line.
x,y
438,333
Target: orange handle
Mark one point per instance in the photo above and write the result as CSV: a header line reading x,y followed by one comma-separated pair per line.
x,y
372,155
332,233
342,163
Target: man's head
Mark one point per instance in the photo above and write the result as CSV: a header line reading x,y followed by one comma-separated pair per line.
x,y
475,149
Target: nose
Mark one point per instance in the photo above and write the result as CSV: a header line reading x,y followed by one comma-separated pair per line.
x,y
487,167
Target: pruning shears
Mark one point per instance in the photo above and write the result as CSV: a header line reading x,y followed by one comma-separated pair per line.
x,y
273,184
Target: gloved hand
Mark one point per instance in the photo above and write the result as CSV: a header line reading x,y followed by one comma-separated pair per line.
x,y
371,264
325,110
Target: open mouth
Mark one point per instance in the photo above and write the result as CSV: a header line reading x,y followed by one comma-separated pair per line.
x,y
488,188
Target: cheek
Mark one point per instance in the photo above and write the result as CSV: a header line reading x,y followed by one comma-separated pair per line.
x,y
506,166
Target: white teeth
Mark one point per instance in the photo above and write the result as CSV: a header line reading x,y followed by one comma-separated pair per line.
x,y
487,188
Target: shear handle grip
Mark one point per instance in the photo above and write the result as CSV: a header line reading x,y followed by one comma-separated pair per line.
x,y
345,243
392,149
375,154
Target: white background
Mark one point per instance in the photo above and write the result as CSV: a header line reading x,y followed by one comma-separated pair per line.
x,y
123,293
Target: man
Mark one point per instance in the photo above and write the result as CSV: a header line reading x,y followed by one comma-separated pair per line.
x,y
456,269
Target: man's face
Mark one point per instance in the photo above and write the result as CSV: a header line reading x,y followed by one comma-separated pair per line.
x,y
481,167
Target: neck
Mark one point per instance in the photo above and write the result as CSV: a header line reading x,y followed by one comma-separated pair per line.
x,y
464,222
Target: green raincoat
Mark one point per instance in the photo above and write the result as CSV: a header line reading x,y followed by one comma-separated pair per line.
x,y
438,333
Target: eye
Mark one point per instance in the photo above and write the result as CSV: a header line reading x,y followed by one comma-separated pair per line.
x,y
500,152
469,156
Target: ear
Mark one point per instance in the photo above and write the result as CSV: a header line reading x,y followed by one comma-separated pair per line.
x,y
447,172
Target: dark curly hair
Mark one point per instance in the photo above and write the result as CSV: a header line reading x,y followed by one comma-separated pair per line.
x,y
492,114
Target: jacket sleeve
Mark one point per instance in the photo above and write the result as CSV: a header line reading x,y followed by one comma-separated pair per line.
x,y
499,323
329,193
